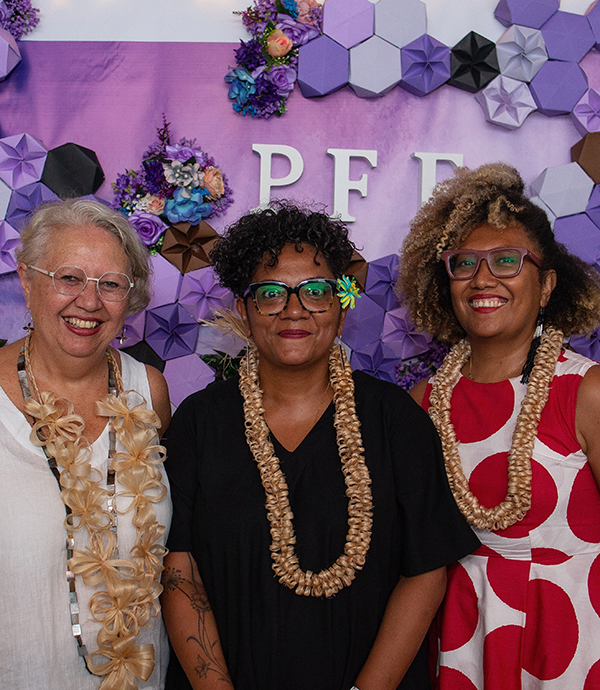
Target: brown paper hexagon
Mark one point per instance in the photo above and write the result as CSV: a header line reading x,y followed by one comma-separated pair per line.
x,y
358,268
586,152
187,246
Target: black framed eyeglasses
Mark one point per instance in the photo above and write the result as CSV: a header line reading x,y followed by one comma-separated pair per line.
x,y
503,262
271,297
72,280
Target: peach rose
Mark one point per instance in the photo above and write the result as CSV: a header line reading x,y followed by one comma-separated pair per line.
x,y
278,44
151,204
213,182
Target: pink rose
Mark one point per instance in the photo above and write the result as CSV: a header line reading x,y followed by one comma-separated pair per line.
x,y
278,44
156,205
213,182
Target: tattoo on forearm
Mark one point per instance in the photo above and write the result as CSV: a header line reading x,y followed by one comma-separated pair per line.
x,y
207,661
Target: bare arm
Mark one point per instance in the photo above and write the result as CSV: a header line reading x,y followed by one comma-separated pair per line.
x,y
407,617
417,392
160,397
587,419
191,624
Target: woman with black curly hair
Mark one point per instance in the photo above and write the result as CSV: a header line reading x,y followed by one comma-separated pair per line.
x,y
336,582
518,417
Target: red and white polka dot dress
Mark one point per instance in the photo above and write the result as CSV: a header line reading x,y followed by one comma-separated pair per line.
x,y
523,611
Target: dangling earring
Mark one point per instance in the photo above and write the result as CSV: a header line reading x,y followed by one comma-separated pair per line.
x,y
533,348
122,337
342,358
27,322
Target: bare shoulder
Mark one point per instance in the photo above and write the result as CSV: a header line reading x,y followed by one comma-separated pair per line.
x,y
587,415
8,371
160,396
417,392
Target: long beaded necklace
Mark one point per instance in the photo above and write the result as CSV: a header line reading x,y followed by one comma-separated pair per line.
x,y
26,378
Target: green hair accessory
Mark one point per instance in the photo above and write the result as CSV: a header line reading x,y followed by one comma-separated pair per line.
x,y
347,291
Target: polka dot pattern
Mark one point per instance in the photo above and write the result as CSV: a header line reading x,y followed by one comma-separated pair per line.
x,y
524,609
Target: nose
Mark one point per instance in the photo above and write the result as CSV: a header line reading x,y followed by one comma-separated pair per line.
x,y
89,297
294,309
484,276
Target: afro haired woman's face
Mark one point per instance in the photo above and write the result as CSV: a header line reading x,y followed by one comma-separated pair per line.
x,y
506,308
293,337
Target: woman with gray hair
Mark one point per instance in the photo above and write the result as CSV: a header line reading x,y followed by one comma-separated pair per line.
x,y
85,506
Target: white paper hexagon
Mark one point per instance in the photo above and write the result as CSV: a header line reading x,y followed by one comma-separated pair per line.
x,y
506,102
546,209
400,21
5,194
521,52
374,67
565,189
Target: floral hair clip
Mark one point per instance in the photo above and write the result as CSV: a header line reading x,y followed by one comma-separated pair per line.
x,y
347,291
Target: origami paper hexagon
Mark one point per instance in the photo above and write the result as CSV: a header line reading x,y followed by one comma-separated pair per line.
x,y
185,376
5,194
133,331
593,207
568,36
586,152
166,282
531,13
473,63
377,359
363,324
13,310
381,279
201,294
374,67
558,86
588,346
401,335
323,67
187,246
359,269
400,21
10,55
593,16
22,159
581,237
506,102
145,354
586,114
348,21
72,170
171,331
9,240
25,200
565,189
547,210
425,65
521,52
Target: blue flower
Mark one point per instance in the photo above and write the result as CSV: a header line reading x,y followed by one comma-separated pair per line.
x,y
192,210
241,85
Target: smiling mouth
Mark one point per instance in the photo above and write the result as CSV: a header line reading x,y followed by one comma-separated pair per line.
x,y
487,303
80,323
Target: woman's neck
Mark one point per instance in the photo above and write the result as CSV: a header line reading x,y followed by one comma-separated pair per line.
x,y
491,361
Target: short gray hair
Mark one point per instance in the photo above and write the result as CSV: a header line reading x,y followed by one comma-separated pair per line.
x,y
80,212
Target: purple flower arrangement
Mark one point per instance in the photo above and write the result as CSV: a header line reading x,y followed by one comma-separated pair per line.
x,y
267,64
18,17
176,183
410,371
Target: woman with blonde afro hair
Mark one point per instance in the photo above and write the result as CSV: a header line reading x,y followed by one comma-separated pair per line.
x,y
517,415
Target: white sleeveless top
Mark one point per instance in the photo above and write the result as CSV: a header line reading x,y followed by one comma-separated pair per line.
x,y
37,648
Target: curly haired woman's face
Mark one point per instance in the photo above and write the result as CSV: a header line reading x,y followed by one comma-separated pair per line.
x,y
486,306
295,336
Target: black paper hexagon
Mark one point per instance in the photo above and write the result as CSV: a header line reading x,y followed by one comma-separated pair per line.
x,y
473,63
72,171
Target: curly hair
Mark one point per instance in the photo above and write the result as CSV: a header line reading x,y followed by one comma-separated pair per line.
x,y
493,194
244,246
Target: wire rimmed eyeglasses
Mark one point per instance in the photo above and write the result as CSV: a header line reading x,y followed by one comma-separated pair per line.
x,y
72,280
271,297
503,262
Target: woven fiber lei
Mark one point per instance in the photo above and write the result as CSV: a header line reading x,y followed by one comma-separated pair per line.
x,y
356,475
130,597
518,497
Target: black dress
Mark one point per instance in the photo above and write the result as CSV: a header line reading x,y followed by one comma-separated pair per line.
x,y
272,638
